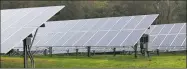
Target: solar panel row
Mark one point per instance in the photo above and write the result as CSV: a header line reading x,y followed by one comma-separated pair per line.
x,y
168,36
112,31
16,24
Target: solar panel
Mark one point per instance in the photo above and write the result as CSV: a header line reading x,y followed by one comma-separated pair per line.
x,y
16,24
109,31
168,36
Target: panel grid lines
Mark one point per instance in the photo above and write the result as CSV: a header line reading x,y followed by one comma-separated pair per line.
x,y
17,24
183,42
176,36
22,27
169,41
121,29
166,36
96,32
14,13
68,30
157,35
85,34
132,31
74,35
16,21
108,31
101,32
51,38
60,36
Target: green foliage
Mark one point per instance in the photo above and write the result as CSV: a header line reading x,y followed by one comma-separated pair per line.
x,y
169,11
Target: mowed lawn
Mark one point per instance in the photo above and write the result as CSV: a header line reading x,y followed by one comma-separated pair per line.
x,y
104,61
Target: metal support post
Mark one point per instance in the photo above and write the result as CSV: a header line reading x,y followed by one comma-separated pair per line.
x,y
26,43
77,52
88,51
50,51
45,52
68,52
157,51
135,50
93,52
114,51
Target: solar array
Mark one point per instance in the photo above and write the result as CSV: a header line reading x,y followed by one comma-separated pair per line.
x,y
17,24
109,31
171,37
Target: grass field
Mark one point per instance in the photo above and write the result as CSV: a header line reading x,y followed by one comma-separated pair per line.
x,y
104,61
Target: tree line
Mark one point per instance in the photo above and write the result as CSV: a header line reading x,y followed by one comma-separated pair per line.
x,y
169,11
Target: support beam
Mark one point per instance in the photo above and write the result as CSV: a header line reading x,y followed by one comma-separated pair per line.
x,y
50,51
142,49
45,52
148,54
26,43
88,51
77,52
135,50
123,52
93,52
157,51
146,49
114,51
25,54
68,52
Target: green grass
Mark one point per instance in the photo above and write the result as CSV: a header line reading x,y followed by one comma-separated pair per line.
x,y
104,61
